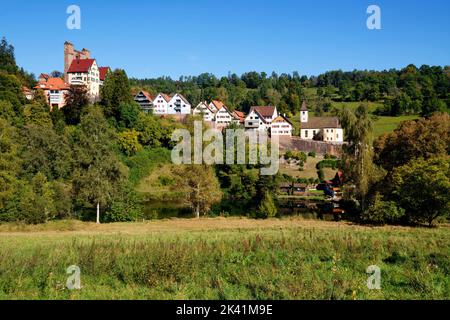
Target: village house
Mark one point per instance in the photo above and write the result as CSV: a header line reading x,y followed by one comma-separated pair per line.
x,y
281,126
260,118
161,103
224,118
145,101
326,129
203,109
85,72
176,104
218,114
54,90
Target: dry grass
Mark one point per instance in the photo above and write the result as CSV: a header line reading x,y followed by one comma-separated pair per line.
x,y
309,169
179,225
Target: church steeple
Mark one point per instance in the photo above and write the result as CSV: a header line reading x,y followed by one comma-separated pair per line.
x,y
304,112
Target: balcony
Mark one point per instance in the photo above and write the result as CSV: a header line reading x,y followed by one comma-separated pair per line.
x,y
55,98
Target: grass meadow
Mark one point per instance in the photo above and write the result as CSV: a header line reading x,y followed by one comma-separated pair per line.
x,y
223,258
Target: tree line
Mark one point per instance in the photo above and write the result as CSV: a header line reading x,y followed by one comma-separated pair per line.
x,y
410,90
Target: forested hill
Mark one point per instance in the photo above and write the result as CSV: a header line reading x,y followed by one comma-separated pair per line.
x,y
411,90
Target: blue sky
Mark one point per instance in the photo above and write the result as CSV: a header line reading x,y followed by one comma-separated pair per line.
x,y
187,37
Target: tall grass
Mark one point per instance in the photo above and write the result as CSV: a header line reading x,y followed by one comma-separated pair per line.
x,y
260,263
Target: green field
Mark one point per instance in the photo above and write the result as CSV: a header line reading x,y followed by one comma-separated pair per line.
x,y
223,258
389,124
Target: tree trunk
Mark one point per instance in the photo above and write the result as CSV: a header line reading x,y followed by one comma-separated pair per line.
x,y
98,212
197,211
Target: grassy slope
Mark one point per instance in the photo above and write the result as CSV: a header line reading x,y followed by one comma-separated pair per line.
x,y
309,169
223,258
388,124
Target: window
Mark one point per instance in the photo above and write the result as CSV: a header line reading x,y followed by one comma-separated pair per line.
x,y
306,133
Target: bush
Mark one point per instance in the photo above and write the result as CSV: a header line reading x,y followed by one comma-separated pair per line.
x,y
129,142
288,154
321,175
127,207
267,208
312,154
382,212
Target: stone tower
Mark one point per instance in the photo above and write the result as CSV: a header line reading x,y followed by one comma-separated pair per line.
x,y
70,54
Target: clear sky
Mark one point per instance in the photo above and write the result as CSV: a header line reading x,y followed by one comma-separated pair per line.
x,y
187,37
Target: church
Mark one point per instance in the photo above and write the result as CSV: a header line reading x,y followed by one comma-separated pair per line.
x,y
327,129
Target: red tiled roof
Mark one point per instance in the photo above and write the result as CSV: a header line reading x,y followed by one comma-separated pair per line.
x,y
80,65
103,71
147,95
52,84
165,96
264,111
240,114
218,104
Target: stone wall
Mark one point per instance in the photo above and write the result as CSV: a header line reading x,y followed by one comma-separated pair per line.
x,y
319,147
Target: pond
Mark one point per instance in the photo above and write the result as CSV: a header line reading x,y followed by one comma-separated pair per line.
x,y
309,209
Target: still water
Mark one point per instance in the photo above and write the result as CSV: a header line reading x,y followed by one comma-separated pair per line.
x,y
308,209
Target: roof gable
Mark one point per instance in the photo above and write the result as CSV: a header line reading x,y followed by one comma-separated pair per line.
x,y
264,111
281,118
102,72
179,95
163,96
52,84
81,65
146,94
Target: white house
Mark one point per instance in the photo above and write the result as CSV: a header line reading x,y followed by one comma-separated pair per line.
x,y
85,72
223,117
55,90
326,129
281,126
203,109
178,104
161,103
260,117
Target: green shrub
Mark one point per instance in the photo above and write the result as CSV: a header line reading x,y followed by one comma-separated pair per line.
x,y
267,208
126,207
382,212
312,154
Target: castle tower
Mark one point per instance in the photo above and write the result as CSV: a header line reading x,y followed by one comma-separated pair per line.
x,y
86,54
304,113
69,55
